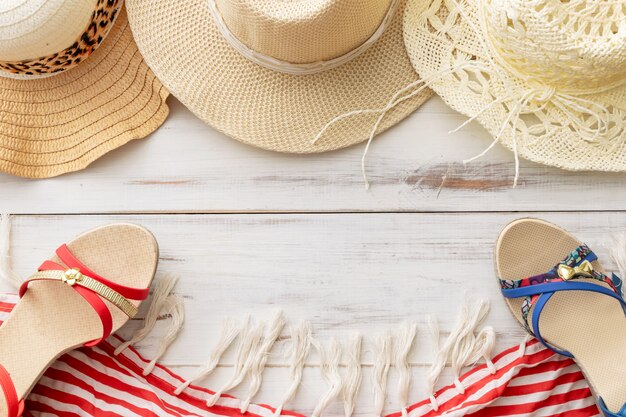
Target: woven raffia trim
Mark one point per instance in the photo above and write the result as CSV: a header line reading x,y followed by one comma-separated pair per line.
x,y
519,56
265,108
59,124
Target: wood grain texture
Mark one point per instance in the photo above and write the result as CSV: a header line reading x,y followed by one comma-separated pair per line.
x,y
251,231
187,166
345,273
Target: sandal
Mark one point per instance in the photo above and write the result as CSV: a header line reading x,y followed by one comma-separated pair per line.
x,y
557,289
88,290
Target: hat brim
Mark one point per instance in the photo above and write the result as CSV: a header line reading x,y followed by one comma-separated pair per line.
x,y
58,124
438,39
262,107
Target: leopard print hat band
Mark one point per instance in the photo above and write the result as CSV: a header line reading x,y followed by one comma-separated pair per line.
x,y
51,125
47,20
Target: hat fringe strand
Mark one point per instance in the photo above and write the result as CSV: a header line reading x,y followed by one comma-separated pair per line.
x,y
405,93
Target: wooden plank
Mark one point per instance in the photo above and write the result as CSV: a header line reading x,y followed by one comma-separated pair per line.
x,y
188,167
344,273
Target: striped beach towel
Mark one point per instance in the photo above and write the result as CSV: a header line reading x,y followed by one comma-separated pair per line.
x,y
529,380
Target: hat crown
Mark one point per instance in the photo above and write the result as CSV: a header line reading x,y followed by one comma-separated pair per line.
x,y
573,45
303,31
40,38
34,28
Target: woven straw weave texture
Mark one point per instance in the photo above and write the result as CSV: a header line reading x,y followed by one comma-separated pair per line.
x,y
546,78
62,123
182,44
42,28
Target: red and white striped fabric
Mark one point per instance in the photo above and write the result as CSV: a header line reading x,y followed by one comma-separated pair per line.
x,y
95,382
528,382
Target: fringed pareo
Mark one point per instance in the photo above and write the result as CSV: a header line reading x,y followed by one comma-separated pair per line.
x,y
524,377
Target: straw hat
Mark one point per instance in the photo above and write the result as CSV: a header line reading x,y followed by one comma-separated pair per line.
x,y
547,78
73,85
272,73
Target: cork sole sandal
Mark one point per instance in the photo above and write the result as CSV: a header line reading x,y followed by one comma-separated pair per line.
x,y
88,290
557,289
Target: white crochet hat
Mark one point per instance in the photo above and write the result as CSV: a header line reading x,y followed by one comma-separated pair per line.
x,y
547,78
272,73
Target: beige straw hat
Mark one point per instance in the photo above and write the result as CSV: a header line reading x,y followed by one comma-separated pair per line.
x,y
73,85
547,78
273,73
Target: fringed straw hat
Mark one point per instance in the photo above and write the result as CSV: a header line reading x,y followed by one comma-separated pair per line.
x,y
547,78
73,85
273,73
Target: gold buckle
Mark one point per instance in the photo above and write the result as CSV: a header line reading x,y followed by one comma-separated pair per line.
x,y
584,270
72,276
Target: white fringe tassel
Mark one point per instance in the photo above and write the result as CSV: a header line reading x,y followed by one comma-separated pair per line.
x,y
459,348
248,345
6,267
464,345
522,346
438,364
485,342
383,357
301,340
230,331
404,342
162,289
353,378
258,364
330,359
175,307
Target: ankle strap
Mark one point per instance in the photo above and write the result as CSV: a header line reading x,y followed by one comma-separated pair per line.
x,y
91,286
15,407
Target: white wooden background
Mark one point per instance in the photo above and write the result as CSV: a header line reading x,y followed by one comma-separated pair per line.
x,y
250,231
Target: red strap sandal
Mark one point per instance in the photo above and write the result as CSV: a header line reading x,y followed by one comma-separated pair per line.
x,y
67,304
15,406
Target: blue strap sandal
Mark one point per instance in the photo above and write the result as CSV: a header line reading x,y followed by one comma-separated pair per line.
x,y
556,288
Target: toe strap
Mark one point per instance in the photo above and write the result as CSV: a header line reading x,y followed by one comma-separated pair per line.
x,y
94,288
607,413
546,291
537,290
15,407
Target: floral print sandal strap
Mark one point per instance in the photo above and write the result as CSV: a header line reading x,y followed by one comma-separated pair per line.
x,y
576,308
538,289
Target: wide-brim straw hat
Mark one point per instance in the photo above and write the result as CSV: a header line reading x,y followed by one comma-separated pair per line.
x,y
546,78
273,73
73,85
